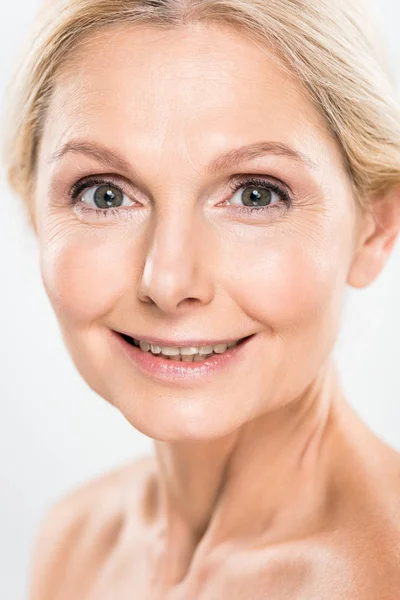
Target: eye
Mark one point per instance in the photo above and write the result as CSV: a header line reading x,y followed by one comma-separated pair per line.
x,y
106,195
256,195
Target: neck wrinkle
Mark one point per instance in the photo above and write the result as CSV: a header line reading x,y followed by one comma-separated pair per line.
x,y
281,476
265,484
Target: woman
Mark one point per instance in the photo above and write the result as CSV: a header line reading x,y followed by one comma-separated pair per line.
x,y
204,179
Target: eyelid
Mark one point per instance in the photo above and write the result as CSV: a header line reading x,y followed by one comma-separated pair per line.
x,y
90,181
271,183
261,176
234,184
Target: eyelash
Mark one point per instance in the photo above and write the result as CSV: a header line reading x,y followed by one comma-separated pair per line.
x,y
266,184
236,185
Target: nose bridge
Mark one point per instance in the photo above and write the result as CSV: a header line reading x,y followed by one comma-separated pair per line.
x,y
174,270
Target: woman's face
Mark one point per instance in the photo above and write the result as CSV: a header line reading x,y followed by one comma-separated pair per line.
x,y
166,249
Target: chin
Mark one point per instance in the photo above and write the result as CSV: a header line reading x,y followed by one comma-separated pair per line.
x,y
172,418
209,409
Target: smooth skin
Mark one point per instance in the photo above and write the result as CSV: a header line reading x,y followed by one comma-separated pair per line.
x,y
264,482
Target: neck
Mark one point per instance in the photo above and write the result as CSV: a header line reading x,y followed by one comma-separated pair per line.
x,y
264,482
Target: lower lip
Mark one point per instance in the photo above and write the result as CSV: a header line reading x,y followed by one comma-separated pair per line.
x,y
172,370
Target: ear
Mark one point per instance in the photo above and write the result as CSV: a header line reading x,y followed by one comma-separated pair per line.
x,y
380,226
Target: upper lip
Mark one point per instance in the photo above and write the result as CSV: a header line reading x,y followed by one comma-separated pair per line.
x,y
194,343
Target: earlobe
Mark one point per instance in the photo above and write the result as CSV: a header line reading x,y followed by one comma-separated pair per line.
x,y
366,266
380,230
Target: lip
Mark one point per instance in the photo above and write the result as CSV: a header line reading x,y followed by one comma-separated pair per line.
x,y
169,370
175,344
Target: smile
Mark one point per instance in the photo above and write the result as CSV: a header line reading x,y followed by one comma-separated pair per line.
x,y
174,362
182,353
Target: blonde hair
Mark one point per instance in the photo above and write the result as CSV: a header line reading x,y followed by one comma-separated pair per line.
x,y
331,46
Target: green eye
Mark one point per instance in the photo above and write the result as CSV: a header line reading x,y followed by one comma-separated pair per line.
x,y
107,196
256,196
99,194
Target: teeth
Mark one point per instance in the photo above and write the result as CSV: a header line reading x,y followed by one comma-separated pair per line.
x,y
206,350
187,358
170,350
220,348
188,350
184,353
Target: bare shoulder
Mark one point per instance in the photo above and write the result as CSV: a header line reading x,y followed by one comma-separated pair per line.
x,y
365,516
82,527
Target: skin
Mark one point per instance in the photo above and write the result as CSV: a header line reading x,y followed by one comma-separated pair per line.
x,y
264,483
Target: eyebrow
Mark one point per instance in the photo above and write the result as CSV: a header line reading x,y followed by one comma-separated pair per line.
x,y
237,156
225,161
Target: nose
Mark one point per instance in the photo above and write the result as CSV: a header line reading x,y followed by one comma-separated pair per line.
x,y
176,272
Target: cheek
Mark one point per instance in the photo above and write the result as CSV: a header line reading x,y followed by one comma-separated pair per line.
x,y
84,274
286,280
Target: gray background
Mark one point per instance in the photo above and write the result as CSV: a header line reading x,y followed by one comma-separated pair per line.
x,y
55,432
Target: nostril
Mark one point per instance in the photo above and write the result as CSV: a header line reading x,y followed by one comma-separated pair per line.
x,y
188,301
146,299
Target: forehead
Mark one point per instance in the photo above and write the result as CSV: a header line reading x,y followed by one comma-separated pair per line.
x,y
203,87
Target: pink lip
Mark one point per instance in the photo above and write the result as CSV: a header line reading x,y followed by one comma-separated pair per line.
x,y
172,370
